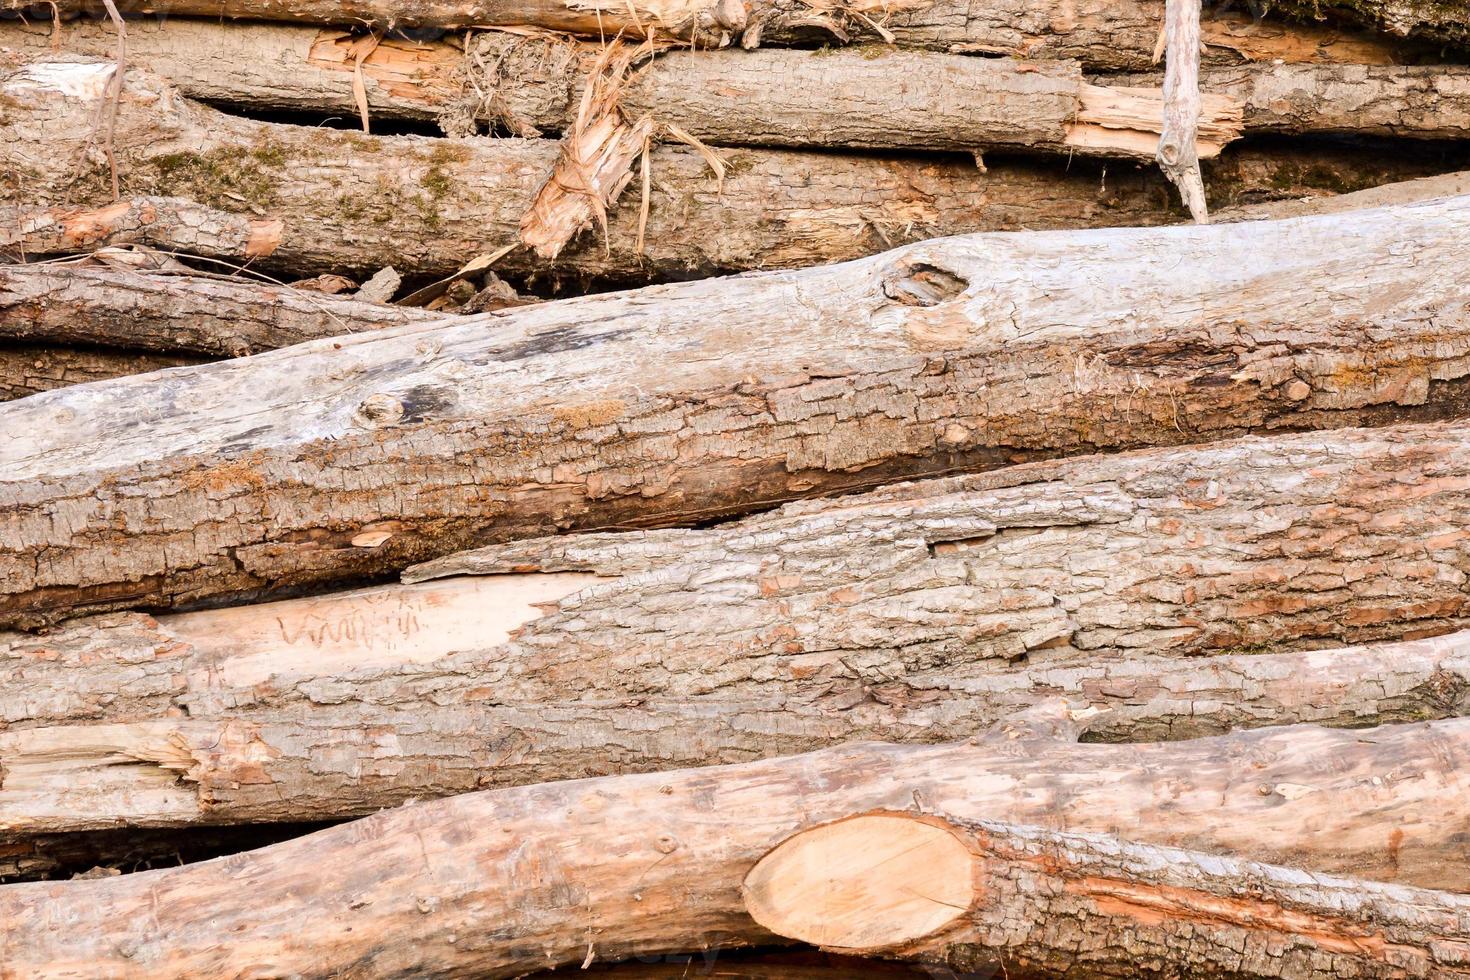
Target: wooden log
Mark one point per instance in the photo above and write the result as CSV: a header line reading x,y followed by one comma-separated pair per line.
x,y
68,304
1143,582
431,205
960,354
308,742
762,98
504,882
984,897
26,369
768,97
1080,193
1102,34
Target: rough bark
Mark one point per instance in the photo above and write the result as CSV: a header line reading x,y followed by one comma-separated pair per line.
x,y
347,202
314,710
963,353
760,98
60,304
1101,33
988,897
503,882
27,369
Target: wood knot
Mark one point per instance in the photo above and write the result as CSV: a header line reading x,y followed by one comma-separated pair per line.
x,y
378,410
922,284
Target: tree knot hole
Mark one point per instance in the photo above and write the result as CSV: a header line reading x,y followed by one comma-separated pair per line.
x,y
922,284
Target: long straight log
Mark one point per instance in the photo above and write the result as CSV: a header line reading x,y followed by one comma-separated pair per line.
x,y
308,745
329,200
1025,193
61,304
965,353
988,897
762,98
503,882
1102,33
768,97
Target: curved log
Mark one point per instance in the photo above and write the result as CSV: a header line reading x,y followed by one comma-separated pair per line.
x,y
504,882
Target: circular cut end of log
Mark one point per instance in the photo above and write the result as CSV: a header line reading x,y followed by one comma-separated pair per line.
x,y
864,882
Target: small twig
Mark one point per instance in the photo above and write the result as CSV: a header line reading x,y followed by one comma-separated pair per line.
x,y
1178,153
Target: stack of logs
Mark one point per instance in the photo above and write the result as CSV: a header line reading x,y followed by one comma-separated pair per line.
x,y
533,597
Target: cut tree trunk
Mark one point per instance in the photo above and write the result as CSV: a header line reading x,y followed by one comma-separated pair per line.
x,y
1102,33
532,85
60,304
503,882
347,202
959,354
769,97
1012,195
28,369
987,897
305,743
1428,102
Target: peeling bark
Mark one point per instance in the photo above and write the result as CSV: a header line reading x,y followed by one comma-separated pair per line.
x,y
1101,33
985,897
960,354
503,882
28,369
139,311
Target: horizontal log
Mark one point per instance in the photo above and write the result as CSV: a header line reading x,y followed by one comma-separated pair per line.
x,y
503,882
26,369
767,97
761,98
303,742
964,353
62,304
987,898
1016,194
1424,102
1103,34
429,206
